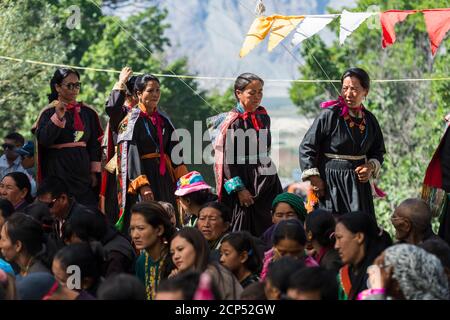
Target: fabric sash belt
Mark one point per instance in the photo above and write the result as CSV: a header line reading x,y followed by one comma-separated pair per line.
x,y
68,145
156,155
345,157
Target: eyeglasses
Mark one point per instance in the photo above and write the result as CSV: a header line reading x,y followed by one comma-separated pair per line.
x,y
71,86
8,146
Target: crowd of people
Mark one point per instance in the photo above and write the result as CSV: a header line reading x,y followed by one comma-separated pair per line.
x,y
87,213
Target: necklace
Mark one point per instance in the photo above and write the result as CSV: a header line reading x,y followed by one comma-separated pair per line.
x,y
28,266
153,274
361,125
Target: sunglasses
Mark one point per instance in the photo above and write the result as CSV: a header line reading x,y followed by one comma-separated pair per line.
x,y
71,86
8,146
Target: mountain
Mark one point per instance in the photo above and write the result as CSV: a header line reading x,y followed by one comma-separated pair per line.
x,y
210,33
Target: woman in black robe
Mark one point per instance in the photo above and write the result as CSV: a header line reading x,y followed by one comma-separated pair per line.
x,y
243,166
68,135
145,164
344,149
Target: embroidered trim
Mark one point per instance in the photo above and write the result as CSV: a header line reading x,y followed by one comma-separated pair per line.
x,y
137,183
234,185
59,123
309,173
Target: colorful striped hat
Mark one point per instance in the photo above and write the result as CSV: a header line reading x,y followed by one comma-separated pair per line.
x,y
191,182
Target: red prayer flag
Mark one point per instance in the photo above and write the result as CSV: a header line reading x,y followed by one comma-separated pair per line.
x,y
438,23
388,21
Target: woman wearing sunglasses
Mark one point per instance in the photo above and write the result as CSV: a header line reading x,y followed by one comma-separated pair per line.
x,y
68,135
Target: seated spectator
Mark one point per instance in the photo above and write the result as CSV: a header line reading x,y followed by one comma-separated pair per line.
x,y
151,233
16,188
10,160
406,272
92,225
359,242
240,255
88,257
254,291
54,192
412,221
193,192
288,240
121,286
214,220
440,249
277,281
319,227
285,206
170,210
190,252
22,242
6,210
183,286
313,284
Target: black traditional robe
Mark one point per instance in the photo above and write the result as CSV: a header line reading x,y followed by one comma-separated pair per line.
x,y
138,138
74,164
330,133
256,171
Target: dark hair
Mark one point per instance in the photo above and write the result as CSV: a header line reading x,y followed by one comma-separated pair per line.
x,y
22,182
121,286
200,197
40,211
374,242
254,291
28,231
155,215
53,185
244,80
280,271
201,247
141,82
89,225
89,257
187,283
315,279
359,73
17,137
291,229
439,248
242,241
321,225
225,212
58,77
6,208
130,85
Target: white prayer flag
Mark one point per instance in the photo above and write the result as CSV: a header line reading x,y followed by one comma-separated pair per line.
x,y
350,21
310,26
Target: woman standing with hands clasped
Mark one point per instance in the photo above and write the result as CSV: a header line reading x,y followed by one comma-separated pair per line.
x,y
344,149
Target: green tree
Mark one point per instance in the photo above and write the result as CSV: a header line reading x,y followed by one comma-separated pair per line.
x,y
410,113
23,85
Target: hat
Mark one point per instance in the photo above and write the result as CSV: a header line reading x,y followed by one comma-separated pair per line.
x,y
36,286
27,149
191,182
295,201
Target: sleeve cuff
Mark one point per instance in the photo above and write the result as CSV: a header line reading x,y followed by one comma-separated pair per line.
x,y
58,122
96,166
234,185
120,86
309,173
138,183
377,165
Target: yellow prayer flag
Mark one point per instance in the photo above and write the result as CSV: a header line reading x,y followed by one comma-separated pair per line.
x,y
258,31
281,27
